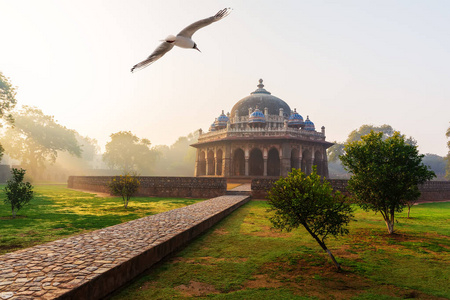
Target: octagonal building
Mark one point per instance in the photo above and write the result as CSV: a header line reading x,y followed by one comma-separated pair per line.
x,y
261,137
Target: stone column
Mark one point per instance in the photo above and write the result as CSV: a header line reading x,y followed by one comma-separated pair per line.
x,y
246,166
196,164
207,165
226,162
265,166
285,159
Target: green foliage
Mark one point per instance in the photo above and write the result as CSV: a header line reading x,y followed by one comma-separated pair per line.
x,y
18,193
36,138
7,97
7,102
125,186
300,200
129,153
385,173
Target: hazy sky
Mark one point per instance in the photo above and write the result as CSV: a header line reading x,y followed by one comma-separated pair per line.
x,y
343,63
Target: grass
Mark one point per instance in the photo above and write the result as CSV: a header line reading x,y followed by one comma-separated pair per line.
x,y
242,258
57,212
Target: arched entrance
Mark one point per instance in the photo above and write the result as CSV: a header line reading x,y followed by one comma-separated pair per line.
x,y
219,162
211,163
295,162
256,163
306,162
201,165
239,162
318,162
273,163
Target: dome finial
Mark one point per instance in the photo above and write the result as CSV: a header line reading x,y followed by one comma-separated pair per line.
x,y
260,85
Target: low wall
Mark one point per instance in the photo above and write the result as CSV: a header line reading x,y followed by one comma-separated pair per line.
x,y
430,191
194,187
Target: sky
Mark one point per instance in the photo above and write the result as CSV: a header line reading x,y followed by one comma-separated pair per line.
x,y
342,63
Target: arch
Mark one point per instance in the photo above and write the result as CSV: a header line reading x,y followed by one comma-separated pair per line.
x,y
318,161
295,160
306,162
273,163
211,163
256,163
219,156
239,162
201,165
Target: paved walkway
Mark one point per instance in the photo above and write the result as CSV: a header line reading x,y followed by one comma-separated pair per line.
x,y
73,267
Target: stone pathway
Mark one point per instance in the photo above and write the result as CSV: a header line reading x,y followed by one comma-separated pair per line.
x,y
83,266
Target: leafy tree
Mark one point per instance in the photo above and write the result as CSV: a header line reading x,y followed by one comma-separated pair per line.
x,y
36,138
179,158
18,193
126,186
385,173
300,200
7,102
436,163
129,153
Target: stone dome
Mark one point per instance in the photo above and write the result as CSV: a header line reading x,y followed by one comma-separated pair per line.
x,y
263,99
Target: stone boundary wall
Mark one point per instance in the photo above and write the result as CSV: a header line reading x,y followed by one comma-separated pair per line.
x,y
194,187
430,191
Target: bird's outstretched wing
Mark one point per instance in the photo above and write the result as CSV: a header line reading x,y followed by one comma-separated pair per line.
x,y
157,54
191,29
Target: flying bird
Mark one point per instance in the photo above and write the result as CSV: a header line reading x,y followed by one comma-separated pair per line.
x,y
183,39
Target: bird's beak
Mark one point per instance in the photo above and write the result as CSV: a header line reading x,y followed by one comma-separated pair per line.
x,y
195,47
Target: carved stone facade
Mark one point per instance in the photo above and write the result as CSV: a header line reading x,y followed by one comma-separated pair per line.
x,y
253,143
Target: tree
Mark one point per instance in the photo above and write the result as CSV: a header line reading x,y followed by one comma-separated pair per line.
x,y
335,151
126,186
179,158
36,138
18,193
385,173
7,102
300,200
129,153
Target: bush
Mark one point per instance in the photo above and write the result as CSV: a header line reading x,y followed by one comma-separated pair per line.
x,y
125,185
18,193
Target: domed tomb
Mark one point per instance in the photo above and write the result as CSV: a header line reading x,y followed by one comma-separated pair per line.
x,y
261,98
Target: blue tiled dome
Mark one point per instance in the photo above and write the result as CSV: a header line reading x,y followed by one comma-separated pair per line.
x,y
295,120
309,125
222,120
212,127
257,117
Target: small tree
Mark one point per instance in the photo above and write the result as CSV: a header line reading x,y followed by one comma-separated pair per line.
x,y
307,201
126,186
18,193
385,173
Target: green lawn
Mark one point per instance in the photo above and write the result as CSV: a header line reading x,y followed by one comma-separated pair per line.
x,y
241,258
57,212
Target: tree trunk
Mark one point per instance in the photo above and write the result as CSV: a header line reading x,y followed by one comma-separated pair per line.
x,y
409,209
13,213
324,247
390,224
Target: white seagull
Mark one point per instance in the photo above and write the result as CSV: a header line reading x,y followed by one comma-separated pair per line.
x,y
183,39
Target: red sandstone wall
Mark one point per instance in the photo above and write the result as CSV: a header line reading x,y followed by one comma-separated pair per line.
x,y
430,191
195,187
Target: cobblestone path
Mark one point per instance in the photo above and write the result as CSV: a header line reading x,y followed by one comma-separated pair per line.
x,y
56,269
